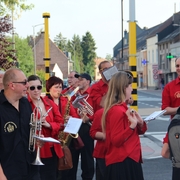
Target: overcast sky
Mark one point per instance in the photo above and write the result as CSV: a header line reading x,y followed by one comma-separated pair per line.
x,y
102,18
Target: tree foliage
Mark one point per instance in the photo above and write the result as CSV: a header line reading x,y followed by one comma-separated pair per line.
x,y
17,6
61,42
77,52
89,53
82,51
24,55
7,53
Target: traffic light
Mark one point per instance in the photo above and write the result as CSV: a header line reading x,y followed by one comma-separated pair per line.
x,y
169,56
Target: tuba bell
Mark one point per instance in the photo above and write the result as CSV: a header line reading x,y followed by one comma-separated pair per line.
x,y
35,132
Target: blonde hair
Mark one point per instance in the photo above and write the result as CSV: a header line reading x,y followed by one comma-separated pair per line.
x,y
116,93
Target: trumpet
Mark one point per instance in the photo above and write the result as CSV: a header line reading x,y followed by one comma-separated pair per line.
x,y
35,132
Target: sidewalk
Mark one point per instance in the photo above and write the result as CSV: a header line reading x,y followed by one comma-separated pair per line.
x,y
147,111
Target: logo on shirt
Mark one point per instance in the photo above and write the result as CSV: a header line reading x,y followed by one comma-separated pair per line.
x,y
10,127
177,94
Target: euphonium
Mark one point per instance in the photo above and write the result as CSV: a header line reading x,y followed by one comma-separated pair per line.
x,y
81,103
65,138
35,131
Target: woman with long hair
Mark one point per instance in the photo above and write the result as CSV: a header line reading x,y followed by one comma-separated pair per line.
x,y
122,127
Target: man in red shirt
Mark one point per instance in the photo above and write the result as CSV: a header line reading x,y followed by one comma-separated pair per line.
x,y
99,89
171,102
72,81
87,160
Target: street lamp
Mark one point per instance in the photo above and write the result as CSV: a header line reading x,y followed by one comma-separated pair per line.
x,y
34,40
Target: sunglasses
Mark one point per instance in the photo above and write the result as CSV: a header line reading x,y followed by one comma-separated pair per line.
x,y
177,65
22,82
32,88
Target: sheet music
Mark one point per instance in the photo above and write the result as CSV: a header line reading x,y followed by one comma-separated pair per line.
x,y
110,72
47,139
73,125
154,115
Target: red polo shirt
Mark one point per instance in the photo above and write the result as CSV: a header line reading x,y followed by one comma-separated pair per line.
x,y
121,141
171,94
99,149
98,90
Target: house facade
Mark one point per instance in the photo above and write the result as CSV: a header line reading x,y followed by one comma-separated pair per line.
x,y
60,64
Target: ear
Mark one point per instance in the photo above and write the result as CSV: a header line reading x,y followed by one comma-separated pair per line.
x,y
11,86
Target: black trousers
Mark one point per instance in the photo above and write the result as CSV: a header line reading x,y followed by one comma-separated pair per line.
x,y
48,171
100,169
87,160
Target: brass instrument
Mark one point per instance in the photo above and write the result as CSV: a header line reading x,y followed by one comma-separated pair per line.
x,y
35,132
65,138
81,103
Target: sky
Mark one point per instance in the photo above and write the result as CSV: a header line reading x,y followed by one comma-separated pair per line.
x,y
102,18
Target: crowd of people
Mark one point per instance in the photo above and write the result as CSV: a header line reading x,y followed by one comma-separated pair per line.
x,y
109,132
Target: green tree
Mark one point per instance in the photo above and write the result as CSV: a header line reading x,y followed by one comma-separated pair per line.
x,y
24,55
108,57
77,53
11,6
61,42
41,74
89,47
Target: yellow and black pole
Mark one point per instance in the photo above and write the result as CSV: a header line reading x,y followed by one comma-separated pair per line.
x,y
132,51
46,46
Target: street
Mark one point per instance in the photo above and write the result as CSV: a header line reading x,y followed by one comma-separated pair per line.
x,y
154,166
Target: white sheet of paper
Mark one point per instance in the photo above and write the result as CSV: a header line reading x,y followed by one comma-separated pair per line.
x,y
110,72
154,115
73,125
47,139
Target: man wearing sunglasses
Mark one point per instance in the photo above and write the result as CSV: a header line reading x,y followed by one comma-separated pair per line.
x,y
15,158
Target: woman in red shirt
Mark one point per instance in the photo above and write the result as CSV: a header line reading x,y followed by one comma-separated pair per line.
x,y
51,124
122,127
54,87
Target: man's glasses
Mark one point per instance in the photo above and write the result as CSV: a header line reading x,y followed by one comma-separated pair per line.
x,y
22,82
177,65
32,88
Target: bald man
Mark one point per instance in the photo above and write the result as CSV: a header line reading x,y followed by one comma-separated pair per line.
x,y
15,157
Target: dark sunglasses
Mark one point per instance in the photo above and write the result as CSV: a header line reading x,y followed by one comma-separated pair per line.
x,y
22,82
177,65
32,88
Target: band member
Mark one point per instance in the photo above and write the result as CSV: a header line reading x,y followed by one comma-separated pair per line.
x,y
54,87
99,149
122,128
51,124
87,161
15,158
99,89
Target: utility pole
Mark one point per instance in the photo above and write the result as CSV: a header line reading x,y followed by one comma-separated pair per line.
x,y
46,46
132,50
